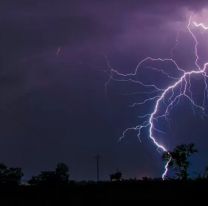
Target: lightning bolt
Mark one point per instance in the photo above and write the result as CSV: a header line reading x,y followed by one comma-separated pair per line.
x,y
200,25
167,97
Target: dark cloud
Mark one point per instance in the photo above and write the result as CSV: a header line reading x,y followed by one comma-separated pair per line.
x,y
53,107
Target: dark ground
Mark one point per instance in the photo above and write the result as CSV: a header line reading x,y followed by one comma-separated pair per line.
x,y
108,193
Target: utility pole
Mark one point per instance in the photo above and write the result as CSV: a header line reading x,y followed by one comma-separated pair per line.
x,y
97,157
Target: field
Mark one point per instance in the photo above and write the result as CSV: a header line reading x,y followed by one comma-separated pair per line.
x,y
108,193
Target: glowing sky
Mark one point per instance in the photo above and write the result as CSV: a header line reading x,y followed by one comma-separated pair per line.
x,y
53,71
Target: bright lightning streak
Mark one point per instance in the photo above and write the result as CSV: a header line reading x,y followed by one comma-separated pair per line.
x,y
200,25
168,97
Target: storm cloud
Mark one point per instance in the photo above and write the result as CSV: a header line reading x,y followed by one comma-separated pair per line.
x,y
53,70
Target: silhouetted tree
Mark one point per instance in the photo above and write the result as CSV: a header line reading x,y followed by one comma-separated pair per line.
x,y
117,176
58,177
180,159
205,175
62,172
10,175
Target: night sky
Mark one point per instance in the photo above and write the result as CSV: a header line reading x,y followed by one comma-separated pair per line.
x,y
54,107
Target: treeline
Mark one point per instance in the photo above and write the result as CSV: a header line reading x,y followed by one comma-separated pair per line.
x,y
179,162
13,176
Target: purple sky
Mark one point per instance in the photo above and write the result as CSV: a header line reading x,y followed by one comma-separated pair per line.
x,y
53,104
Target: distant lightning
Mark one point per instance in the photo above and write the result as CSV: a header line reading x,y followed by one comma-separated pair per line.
x,y
176,44
58,51
167,97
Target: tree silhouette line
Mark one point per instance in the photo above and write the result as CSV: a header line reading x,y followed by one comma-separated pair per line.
x,y
58,177
179,165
